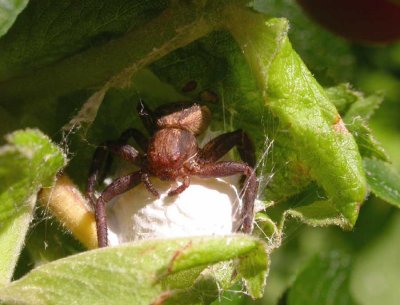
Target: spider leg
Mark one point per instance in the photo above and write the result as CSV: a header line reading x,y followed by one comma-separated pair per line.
x,y
124,151
249,191
180,188
133,133
149,186
119,186
219,146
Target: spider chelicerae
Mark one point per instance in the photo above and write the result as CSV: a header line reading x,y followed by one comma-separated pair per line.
x,y
172,153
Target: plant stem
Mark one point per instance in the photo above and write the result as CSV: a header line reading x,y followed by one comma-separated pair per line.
x,y
65,201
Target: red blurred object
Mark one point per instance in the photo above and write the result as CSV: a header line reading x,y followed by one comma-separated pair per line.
x,y
368,21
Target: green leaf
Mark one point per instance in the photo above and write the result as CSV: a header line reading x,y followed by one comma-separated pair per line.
x,y
366,141
312,125
28,162
343,96
328,150
62,29
324,281
356,110
156,30
9,10
253,269
204,290
311,206
129,274
364,107
330,58
213,285
352,104
383,180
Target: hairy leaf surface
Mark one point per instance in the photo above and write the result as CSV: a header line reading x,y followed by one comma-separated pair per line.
x,y
29,161
132,273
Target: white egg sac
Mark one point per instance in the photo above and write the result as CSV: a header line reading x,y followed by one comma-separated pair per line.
x,y
206,207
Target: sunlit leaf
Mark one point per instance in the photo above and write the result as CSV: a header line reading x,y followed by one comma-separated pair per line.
x,y
342,96
364,107
311,206
29,161
368,145
129,274
253,270
356,110
329,151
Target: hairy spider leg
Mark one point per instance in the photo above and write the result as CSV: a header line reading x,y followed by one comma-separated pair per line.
x,y
97,161
216,148
229,168
124,151
149,186
119,186
185,184
219,146
133,133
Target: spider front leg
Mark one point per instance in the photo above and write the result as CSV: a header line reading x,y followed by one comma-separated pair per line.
x,y
219,146
185,184
118,187
100,156
120,148
140,139
229,168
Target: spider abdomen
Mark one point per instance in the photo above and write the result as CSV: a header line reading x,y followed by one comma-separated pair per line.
x,y
168,151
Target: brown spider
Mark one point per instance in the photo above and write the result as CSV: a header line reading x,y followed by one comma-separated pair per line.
x,y
172,153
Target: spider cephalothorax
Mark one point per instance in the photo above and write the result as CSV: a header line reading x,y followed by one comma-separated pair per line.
x,y
172,153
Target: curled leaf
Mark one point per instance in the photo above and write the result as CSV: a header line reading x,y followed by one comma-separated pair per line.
x,y
129,274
